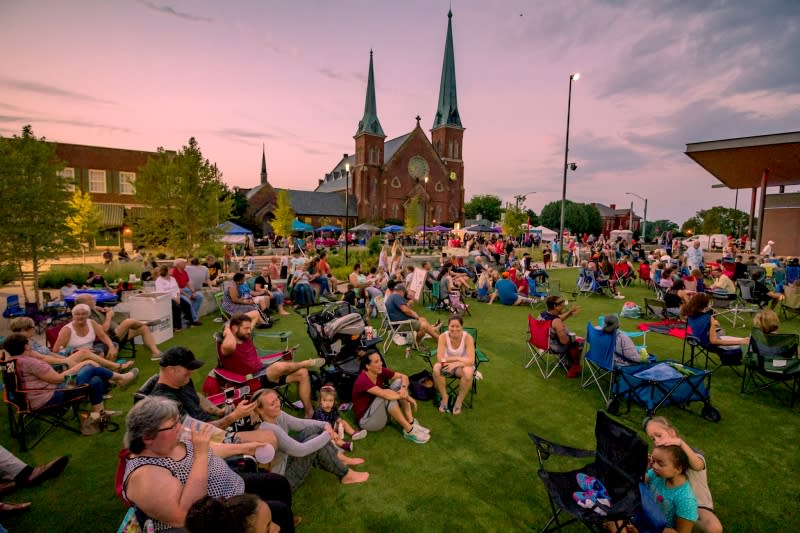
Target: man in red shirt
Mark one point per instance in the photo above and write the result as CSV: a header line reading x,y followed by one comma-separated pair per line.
x,y
188,293
239,355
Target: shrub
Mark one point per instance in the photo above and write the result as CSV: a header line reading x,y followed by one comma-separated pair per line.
x,y
54,278
374,245
8,273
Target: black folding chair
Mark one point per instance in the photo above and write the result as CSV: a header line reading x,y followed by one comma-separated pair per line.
x,y
619,462
771,360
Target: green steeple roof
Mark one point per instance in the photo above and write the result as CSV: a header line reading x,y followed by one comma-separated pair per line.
x,y
447,113
369,123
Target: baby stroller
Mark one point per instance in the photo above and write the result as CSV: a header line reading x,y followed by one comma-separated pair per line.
x,y
661,384
340,336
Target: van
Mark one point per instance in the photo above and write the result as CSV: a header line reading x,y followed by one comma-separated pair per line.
x,y
715,241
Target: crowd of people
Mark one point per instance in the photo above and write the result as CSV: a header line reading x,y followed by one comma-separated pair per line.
x,y
179,441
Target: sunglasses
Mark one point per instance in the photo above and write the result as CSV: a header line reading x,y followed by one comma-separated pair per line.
x,y
170,428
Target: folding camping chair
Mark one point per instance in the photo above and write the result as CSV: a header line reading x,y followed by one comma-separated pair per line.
x,y
790,306
619,461
390,329
13,308
598,363
539,346
453,382
657,309
746,301
21,416
770,360
700,346
218,298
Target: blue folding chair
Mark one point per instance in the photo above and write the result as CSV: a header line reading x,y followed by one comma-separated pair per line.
x,y
13,308
598,363
700,346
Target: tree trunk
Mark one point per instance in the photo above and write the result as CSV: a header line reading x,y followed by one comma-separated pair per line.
x,y
36,279
22,280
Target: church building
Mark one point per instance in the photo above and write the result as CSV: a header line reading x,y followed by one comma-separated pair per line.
x,y
384,178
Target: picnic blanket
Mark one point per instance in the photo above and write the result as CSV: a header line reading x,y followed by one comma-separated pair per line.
x,y
674,328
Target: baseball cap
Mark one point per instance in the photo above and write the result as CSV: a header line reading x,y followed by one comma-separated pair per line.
x,y
179,356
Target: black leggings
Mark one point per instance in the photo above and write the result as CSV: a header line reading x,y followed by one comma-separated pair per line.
x,y
185,308
273,489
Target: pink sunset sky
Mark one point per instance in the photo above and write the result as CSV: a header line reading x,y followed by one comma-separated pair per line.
x,y
292,75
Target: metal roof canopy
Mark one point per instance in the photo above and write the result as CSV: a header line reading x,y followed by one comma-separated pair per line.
x,y
740,163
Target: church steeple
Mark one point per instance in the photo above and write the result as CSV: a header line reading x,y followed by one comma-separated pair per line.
x,y
447,112
263,165
369,123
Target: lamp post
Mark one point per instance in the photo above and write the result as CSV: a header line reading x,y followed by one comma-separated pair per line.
x,y
644,217
575,76
346,209
425,214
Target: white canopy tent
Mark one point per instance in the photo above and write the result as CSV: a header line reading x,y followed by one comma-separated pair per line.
x,y
547,234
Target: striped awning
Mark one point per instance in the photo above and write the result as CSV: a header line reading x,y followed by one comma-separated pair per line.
x,y
113,215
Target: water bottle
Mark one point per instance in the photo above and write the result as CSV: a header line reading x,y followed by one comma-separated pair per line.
x,y
643,355
190,424
264,454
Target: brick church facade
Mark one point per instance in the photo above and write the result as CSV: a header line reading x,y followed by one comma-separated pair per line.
x,y
383,176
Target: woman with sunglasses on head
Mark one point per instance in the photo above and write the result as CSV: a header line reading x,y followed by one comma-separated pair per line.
x,y
310,447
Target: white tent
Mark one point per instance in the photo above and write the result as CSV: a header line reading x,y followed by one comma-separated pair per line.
x,y
547,234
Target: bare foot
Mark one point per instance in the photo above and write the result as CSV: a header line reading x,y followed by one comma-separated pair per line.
x,y
354,477
125,366
349,460
284,313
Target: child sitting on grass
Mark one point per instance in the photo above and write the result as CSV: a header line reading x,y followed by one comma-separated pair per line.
x,y
667,479
327,412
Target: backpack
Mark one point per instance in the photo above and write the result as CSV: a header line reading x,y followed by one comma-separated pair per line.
x,y
630,310
420,386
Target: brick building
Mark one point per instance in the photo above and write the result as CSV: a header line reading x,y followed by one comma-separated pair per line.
x,y
108,175
383,176
614,218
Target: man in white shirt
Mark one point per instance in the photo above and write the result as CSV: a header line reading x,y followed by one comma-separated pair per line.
x,y
694,256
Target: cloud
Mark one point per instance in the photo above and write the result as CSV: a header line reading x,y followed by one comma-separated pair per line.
x,y
342,76
50,90
27,119
733,45
245,134
169,10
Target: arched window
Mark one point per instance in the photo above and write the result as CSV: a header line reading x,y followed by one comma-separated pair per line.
x,y
395,211
455,151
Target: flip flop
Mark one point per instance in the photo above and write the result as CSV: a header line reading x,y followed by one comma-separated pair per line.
x,y
456,410
443,408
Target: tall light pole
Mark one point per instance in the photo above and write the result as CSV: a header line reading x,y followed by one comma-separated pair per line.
x,y
575,76
644,218
425,216
346,209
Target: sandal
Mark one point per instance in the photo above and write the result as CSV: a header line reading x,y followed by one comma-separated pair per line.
x,y
443,407
124,366
456,410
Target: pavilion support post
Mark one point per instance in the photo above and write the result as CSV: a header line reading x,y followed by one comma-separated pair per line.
x,y
763,196
752,214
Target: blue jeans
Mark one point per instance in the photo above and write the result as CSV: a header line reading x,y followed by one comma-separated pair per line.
x,y
95,377
276,298
195,304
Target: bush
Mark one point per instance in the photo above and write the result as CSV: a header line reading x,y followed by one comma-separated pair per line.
x,y
54,278
8,273
374,245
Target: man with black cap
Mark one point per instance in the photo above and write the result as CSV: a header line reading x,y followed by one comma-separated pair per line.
x,y
175,382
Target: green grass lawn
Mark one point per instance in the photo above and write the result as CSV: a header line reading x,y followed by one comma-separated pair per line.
x,y
478,472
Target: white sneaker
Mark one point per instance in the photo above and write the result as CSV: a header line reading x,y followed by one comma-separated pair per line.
x,y
420,427
619,297
358,435
416,436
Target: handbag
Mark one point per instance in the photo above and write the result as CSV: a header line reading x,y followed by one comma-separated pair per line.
x,y
648,518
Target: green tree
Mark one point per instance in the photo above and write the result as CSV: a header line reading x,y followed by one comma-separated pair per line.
x,y
413,216
284,215
84,221
513,219
718,220
33,220
486,205
578,218
656,227
185,198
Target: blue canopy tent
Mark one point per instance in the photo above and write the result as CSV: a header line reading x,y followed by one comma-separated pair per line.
x,y
392,229
329,227
301,226
234,234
